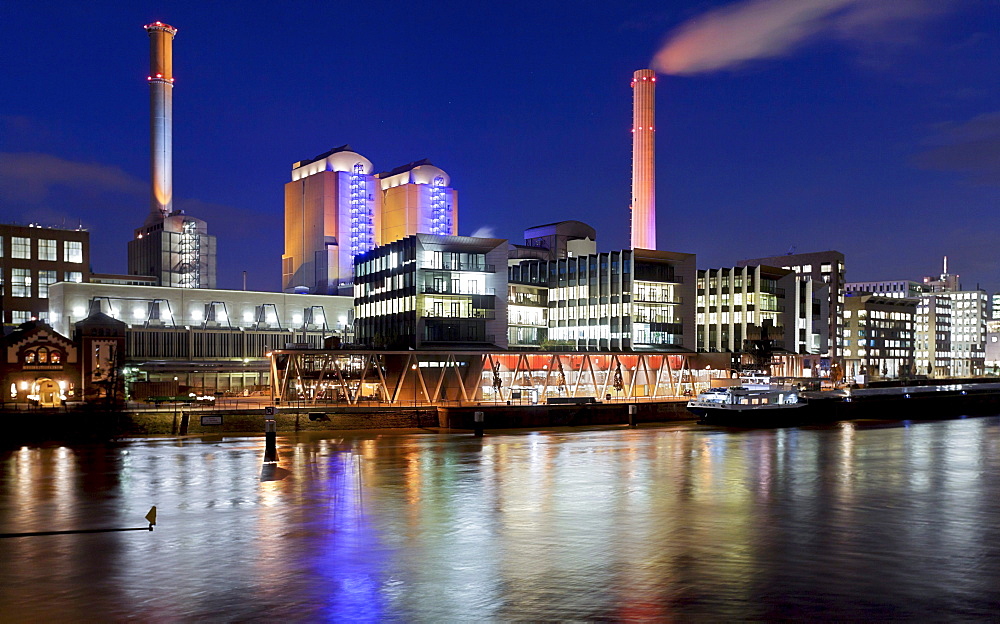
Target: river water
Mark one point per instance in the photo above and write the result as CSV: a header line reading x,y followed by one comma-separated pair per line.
x,y
676,522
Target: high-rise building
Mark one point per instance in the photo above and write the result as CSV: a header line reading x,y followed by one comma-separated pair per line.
x,y
173,247
336,208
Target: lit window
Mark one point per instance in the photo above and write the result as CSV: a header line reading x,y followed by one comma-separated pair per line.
x,y
20,247
20,283
46,249
73,251
45,279
73,276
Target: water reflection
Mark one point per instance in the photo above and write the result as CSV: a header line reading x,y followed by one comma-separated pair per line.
x,y
850,521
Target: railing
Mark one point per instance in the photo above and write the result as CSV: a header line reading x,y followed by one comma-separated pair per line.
x,y
524,320
461,266
430,289
475,314
647,298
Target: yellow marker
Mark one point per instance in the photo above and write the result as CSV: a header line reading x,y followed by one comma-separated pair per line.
x,y
151,517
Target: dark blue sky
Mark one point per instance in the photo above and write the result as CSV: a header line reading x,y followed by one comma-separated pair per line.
x,y
858,127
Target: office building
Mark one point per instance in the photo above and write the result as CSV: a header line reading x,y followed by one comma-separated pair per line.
x,y
32,259
629,300
823,267
879,337
430,291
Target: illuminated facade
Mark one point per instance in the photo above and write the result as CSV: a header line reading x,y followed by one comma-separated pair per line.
x,y
889,288
427,291
208,340
933,336
823,267
417,198
879,336
330,216
32,259
337,208
641,300
39,367
176,250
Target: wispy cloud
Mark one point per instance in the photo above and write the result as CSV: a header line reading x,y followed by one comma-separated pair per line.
x,y
971,147
31,177
486,231
733,35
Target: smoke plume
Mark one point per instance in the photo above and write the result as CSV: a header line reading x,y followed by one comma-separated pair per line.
x,y
733,35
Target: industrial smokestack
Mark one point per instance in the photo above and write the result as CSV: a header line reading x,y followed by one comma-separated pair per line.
x,y
161,109
643,159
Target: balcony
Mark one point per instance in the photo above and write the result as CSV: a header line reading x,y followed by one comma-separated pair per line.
x,y
460,266
645,297
525,320
446,289
449,314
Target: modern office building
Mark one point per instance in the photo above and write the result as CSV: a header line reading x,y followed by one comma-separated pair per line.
x,y
32,259
968,332
735,303
823,267
933,336
337,208
629,300
879,337
431,291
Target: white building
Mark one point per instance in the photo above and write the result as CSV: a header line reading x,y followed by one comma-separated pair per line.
x,y
212,340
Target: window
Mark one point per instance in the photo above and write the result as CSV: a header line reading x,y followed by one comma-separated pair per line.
x,y
46,249
20,284
20,247
73,251
45,279
73,276
20,316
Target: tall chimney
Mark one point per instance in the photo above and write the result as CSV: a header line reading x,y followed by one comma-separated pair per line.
x,y
643,159
161,110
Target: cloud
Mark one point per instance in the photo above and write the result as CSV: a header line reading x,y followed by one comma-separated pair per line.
x,y
31,177
972,147
486,231
733,35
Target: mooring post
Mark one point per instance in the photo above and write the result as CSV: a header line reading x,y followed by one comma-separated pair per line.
x,y
270,436
632,409
477,419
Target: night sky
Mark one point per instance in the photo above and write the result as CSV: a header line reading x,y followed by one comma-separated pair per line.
x,y
867,126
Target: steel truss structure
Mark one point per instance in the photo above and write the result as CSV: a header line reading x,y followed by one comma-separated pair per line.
x,y
316,377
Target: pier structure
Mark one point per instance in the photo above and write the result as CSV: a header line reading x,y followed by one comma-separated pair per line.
x,y
350,377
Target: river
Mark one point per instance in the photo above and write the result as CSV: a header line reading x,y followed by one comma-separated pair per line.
x,y
851,521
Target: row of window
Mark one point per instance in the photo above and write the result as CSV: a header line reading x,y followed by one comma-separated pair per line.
x,y
21,281
48,249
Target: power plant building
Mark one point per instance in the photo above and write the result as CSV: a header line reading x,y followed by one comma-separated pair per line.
x,y
336,208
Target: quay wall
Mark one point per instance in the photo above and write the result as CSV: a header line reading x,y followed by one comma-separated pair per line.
x,y
39,426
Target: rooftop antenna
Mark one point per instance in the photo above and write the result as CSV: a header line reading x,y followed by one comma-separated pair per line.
x,y
791,250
